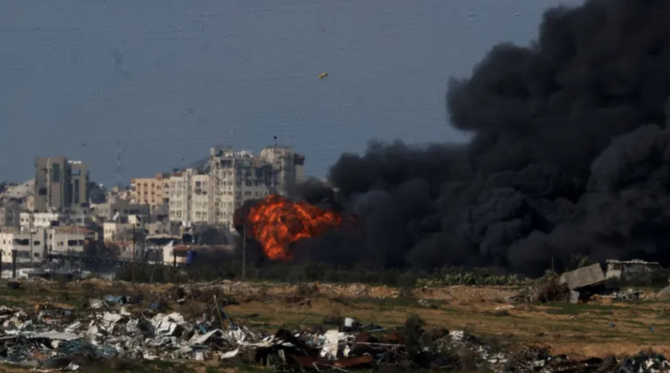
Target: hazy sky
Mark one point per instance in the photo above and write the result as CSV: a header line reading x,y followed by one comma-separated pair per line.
x,y
171,78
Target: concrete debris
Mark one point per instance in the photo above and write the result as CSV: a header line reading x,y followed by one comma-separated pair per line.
x,y
56,339
583,277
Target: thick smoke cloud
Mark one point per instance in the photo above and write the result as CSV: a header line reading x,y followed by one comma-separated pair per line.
x,y
570,157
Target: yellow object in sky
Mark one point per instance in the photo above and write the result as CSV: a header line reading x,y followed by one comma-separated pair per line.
x,y
323,75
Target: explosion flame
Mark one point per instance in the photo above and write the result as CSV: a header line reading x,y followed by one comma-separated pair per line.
x,y
277,222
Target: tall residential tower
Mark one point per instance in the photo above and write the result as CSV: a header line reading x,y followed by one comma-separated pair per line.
x,y
60,184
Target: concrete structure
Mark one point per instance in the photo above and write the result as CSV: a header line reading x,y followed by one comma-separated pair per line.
x,y
29,203
10,214
53,219
583,280
117,231
154,192
181,252
162,228
32,246
230,178
189,197
20,191
42,219
67,239
236,178
624,268
288,167
120,209
60,184
14,239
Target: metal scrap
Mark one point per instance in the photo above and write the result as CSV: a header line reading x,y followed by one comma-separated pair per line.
x,y
47,338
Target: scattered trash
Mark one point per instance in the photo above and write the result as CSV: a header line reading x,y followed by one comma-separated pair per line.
x,y
428,304
47,338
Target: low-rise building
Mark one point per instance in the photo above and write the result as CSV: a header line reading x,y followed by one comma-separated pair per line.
x,y
625,268
29,247
68,239
154,191
179,254
119,210
33,245
117,231
42,219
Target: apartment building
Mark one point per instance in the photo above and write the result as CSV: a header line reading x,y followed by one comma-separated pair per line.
x,y
154,192
60,184
230,178
29,247
189,197
236,178
67,239
32,246
288,167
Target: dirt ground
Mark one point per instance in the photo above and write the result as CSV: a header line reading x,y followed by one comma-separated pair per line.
x,y
582,330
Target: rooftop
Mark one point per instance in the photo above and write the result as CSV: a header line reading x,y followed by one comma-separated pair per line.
x,y
202,247
632,261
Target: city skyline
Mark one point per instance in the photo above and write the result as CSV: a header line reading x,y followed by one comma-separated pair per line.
x,y
168,81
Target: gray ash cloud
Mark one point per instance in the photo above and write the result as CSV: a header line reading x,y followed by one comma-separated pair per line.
x,y
570,156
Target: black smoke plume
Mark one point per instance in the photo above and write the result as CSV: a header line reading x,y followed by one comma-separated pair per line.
x,y
569,157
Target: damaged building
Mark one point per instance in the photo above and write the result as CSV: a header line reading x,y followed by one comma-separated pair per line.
x,y
628,268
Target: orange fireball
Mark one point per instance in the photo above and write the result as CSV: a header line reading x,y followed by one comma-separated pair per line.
x,y
276,222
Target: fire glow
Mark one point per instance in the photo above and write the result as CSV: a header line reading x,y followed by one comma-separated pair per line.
x,y
277,222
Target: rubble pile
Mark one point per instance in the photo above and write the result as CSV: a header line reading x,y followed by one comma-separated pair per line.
x,y
53,337
126,327
122,327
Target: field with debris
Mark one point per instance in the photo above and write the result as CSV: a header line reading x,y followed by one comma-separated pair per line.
x,y
498,316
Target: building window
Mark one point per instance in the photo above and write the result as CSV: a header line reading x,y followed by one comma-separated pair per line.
x,y
55,173
76,192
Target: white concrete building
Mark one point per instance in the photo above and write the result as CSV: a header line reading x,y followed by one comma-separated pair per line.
x,y
42,219
33,246
189,197
231,178
14,239
67,239
236,178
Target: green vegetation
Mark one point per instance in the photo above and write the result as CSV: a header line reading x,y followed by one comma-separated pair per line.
x,y
317,272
